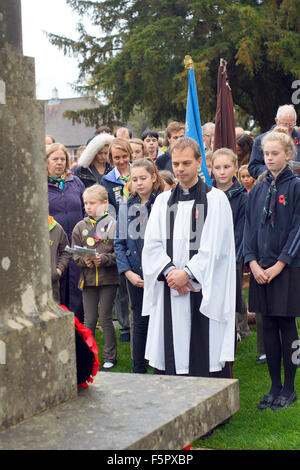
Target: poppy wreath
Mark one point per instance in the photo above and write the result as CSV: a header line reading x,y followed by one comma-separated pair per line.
x,y
86,353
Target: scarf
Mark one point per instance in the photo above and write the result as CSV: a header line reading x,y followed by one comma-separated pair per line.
x,y
268,213
235,189
94,221
126,192
51,222
59,182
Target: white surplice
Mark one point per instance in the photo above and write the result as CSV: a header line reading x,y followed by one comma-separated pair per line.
x,y
214,268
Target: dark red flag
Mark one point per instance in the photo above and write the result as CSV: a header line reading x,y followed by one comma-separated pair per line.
x,y
224,135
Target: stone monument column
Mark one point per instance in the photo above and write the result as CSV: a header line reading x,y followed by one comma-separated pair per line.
x,y
37,344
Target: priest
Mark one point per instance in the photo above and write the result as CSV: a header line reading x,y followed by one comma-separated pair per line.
x,y
188,265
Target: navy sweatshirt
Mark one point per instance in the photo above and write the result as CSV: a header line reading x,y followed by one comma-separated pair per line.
x,y
238,198
263,242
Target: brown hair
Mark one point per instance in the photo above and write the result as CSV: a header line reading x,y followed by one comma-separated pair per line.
x,y
50,137
149,166
53,148
141,143
122,144
174,126
168,177
185,142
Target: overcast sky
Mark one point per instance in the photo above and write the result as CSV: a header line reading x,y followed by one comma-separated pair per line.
x,y
53,69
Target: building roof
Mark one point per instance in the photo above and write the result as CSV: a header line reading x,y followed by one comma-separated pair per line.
x,y
61,128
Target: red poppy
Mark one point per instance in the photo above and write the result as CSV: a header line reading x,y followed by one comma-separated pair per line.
x,y
97,239
282,200
296,141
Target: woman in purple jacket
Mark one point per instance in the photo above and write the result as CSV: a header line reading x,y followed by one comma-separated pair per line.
x,y
66,206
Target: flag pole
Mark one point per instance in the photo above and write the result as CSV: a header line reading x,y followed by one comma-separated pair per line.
x,y
193,126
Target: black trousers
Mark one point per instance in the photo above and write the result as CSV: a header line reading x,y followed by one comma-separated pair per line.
x,y
140,329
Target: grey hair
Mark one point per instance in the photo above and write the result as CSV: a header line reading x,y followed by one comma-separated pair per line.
x,y
286,108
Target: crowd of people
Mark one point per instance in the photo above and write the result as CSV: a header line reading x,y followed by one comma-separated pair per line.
x,y
174,251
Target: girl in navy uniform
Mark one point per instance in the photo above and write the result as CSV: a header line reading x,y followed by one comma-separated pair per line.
x,y
133,216
224,166
116,182
272,249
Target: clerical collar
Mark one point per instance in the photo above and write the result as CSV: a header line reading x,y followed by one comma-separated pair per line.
x,y
188,194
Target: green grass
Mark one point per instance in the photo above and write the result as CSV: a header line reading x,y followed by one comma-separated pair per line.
x,y
249,428
124,355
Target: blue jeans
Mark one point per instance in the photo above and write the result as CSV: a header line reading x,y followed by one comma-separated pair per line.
x,y
140,329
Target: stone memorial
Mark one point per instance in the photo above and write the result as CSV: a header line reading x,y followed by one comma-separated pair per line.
x,y
130,412
37,346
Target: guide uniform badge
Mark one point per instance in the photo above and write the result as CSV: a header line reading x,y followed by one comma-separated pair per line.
x,y
90,241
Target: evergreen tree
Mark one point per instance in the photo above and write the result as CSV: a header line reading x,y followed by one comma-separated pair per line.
x,y
137,57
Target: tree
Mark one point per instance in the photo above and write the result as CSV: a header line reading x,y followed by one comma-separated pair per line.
x,y
137,57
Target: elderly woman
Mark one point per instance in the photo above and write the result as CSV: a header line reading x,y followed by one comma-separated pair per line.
x,y
93,163
66,206
116,183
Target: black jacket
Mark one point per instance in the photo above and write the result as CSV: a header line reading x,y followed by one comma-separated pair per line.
x,y
238,198
263,242
90,175
164,162
257,163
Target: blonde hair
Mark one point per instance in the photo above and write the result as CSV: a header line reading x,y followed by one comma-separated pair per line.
x,y
98,190
260,177
122,144
57,146
243,167
280,135
224,151
208,155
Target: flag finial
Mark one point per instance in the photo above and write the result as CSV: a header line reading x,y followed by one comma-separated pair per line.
x,y
223,63
188,62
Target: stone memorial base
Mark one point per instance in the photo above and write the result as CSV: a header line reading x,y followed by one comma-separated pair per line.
x,y
38,367
130,412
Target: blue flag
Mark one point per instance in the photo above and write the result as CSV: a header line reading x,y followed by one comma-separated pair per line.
x,y
193,124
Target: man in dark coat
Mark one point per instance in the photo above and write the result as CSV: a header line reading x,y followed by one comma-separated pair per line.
x,y
286,117
174,131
